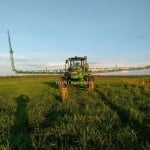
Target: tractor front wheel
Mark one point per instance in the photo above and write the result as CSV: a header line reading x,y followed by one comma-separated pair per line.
x,y
61,82
90,83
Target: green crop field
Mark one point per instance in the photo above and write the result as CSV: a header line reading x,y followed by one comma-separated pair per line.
x,y
115,116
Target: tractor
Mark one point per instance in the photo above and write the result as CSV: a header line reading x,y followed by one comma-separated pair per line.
x,y
77,73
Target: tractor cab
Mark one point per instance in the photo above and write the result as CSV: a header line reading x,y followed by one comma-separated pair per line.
x,y
76,63
76,68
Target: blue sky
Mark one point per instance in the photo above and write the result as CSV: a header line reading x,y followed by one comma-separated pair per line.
x,y
46,32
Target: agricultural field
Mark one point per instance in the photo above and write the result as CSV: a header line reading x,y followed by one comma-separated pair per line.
x,y
114,116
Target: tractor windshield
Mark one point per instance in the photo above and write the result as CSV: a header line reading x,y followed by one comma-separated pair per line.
x,y
76,63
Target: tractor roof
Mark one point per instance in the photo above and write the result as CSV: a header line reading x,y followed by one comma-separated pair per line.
x,y
78,58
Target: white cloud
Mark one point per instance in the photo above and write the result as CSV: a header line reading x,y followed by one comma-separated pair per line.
x,y
56,64
119,64
5,69
4,56
21,59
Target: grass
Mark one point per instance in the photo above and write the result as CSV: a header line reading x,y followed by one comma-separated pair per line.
x,y
116,115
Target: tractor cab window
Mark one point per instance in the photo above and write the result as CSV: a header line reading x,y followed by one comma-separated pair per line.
x,y
77,63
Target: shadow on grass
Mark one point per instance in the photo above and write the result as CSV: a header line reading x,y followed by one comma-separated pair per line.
x,y
20,138
79,86
54,85
51,84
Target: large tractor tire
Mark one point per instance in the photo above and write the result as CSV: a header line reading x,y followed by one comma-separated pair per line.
x,y
90,83
61,82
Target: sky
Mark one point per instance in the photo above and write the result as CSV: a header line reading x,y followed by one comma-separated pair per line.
x,y
44,33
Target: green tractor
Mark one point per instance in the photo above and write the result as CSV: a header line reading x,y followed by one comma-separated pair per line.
x,y
77,72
